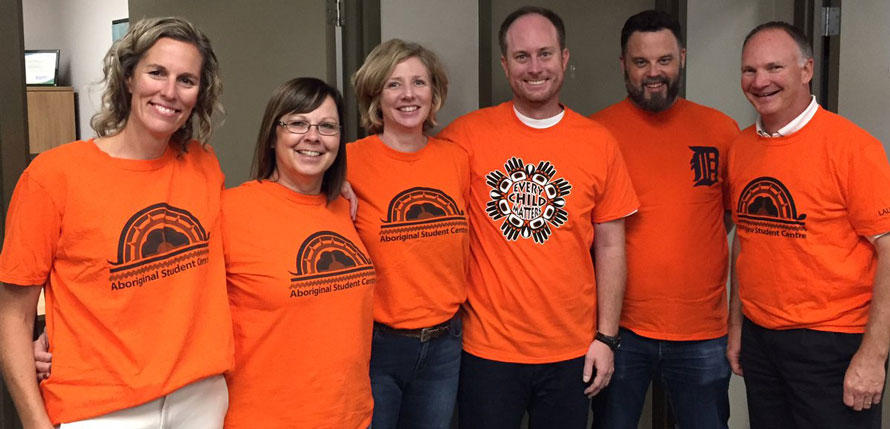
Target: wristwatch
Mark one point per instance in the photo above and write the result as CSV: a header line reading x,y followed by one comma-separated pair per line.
x,y
614,343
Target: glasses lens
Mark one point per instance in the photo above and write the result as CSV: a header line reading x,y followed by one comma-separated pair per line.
x,y
328,128
298,127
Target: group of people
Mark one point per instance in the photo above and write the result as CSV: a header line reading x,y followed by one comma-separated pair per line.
x,y
521,262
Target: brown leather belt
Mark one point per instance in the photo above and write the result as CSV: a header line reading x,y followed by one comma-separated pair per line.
x,y
423,334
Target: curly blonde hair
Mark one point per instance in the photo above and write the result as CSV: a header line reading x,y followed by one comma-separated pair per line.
x,y
370,78
125,54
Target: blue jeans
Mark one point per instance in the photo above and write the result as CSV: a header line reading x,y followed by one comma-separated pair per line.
x,y
415,384
495,395
694,373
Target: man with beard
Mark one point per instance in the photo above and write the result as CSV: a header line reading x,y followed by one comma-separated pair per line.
x,y
545,184
673,322
810,310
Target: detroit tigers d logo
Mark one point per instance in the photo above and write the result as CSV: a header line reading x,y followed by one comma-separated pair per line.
x,y
528,199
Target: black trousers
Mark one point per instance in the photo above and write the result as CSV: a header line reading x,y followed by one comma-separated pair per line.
x,y
496,395
795,379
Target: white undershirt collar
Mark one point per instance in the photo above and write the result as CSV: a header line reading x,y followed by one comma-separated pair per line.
x,y
795,125
540,123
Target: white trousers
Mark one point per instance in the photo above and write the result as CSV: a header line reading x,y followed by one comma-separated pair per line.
x,y
200,405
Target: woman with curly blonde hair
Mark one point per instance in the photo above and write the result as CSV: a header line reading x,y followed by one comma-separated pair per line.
x,y
122,232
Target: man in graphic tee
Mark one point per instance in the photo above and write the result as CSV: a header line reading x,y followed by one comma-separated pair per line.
x,y
810,311
676,245
545,184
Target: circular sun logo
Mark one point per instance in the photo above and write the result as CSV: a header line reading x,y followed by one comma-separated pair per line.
x,y
528,198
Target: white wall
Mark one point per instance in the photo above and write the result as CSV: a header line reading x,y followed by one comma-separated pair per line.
x,y
715,31
451,30
42,25
864,82
82,30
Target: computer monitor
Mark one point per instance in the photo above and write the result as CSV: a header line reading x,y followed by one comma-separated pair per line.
x,y
42,67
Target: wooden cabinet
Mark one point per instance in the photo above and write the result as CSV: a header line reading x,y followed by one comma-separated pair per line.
x,y
50,117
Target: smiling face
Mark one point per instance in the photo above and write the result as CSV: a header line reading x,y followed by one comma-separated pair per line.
x,y
534,65
164,88
302,159
653,63
407,96
775,77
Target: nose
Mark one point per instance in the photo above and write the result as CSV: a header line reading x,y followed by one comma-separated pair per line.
x,y
535,65
408,91
312,134
653,70
760,80
168,90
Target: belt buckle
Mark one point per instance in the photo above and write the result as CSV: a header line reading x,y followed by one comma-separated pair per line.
x,y
425,334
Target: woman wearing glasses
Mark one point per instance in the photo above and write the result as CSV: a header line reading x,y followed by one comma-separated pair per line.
x,y
411,189
300,281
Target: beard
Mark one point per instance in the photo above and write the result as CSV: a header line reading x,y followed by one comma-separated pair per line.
x,y
656,102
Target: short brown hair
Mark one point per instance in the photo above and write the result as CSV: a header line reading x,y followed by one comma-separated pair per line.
x,y
370,78
122,58
532,10
300,95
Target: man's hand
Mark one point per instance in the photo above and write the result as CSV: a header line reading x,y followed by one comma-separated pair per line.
x,y
734,336
347,192
864,379
863,382
601,357
734,348
43,359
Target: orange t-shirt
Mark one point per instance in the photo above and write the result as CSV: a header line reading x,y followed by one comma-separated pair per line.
x,y
301,290
676,243
131,260
804,205
534,196
412,219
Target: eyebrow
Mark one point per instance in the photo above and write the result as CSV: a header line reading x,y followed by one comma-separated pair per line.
x,y
160,66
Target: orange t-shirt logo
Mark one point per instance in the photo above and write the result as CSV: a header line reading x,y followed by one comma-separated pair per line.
x,y
421,212
766,207
528,198
705,164
158,241
329,262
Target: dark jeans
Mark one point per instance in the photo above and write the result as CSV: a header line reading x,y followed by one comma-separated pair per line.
x,y
694,373
497,394
415,384
795,379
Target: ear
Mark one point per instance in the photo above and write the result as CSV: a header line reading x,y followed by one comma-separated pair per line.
x,y
807,71
504,66
565,58
621,61
682,57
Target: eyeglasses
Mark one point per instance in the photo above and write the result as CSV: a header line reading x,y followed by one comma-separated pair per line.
x,y
302,127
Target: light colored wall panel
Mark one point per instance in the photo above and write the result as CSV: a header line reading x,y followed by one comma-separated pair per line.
x,y
86,27
451,30
864,85
715,31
